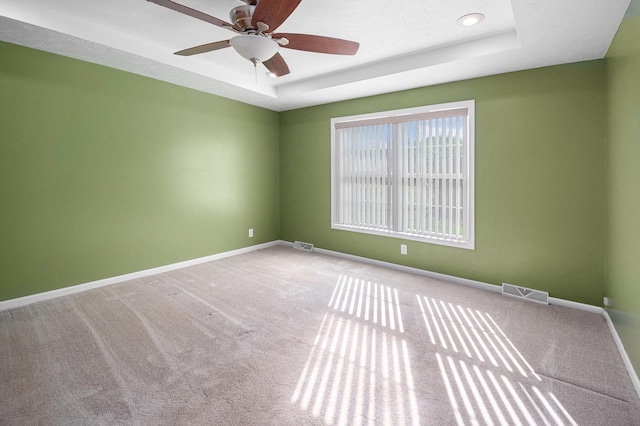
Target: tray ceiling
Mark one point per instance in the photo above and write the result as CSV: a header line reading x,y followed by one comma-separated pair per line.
x,y
403,44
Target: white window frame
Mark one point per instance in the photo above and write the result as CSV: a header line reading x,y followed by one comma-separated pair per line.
x,y
387,198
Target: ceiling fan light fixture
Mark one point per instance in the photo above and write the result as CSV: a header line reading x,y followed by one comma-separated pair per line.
x,y
470,20
254,48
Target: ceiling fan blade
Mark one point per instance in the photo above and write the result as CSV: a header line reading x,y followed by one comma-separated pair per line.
x,y
318,44
277,65
204,48
273,12
194,13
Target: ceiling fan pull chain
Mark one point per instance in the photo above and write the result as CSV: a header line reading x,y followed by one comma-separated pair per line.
x,y
255,70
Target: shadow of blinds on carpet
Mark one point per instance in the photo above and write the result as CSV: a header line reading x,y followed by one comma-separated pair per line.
x,y
359,367
487,378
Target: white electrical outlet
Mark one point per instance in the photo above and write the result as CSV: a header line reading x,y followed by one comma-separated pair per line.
x,y
607,301
403,249
251,233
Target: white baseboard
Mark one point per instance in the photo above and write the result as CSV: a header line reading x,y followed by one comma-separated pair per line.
x,y
415,271
623,352
26,300
575,305
496,289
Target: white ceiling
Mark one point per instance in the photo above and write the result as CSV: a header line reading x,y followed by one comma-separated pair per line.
x,y
403,43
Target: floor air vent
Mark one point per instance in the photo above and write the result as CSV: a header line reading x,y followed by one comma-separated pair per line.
x,y
525,293
303,246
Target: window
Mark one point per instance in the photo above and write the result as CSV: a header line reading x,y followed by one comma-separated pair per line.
x,y
406,173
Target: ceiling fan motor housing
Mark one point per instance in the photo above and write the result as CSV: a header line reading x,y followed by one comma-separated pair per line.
x,y
241,16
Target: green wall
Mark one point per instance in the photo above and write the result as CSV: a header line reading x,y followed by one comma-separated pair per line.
x,y
539,181
103,173
623,183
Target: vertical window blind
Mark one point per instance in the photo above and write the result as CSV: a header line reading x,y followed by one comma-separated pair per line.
x,y
407,174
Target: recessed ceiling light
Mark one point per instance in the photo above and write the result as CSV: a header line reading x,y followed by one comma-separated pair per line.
x,y
470,19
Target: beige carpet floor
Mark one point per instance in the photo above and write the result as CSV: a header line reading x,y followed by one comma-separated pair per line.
x,y
285,337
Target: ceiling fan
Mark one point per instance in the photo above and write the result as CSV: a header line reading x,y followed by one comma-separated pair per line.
x,y
256,41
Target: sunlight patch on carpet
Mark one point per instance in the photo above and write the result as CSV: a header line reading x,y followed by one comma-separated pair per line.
x,y
487,379
358,371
